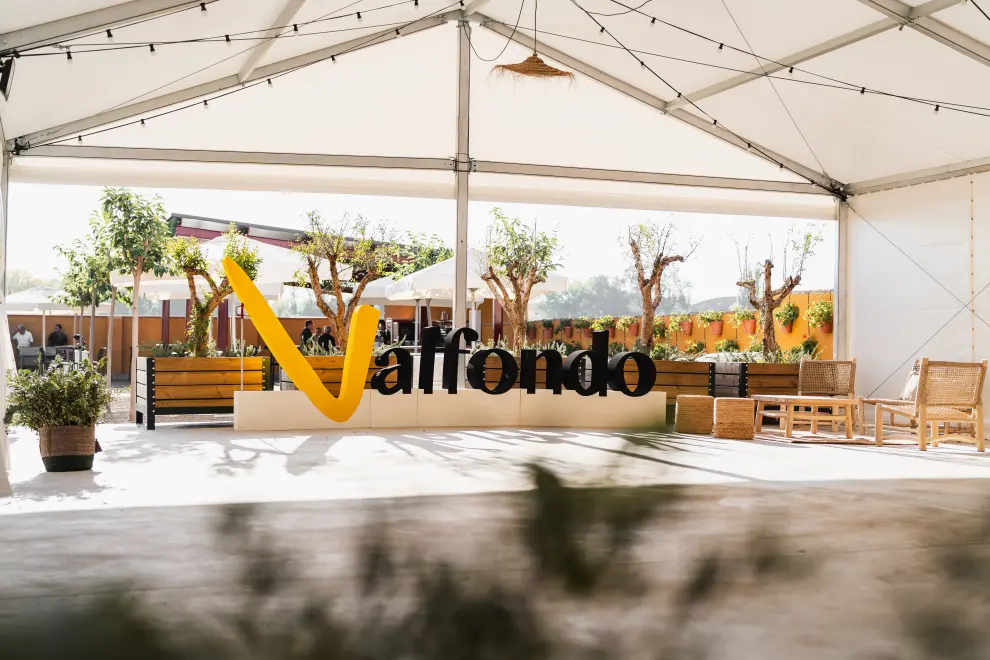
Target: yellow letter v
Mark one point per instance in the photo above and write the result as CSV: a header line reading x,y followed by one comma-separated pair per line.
x,y
360,342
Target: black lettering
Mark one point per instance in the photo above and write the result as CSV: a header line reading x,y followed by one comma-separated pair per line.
x,y
403,370
597,357
476,371
553,362
617,373
451,351
427,352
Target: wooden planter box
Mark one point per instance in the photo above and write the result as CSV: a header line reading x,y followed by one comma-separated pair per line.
x,y
772,378
195,386
331,369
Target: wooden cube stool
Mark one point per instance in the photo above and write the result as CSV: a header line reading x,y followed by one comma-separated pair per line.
x,y
734,418
694,414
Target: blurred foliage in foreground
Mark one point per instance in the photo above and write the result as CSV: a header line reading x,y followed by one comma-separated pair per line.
x,y
575,556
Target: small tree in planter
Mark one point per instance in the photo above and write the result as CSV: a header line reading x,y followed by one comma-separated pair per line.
x,y
547,328
629,325
652,248
764,298
187,258
727,346
604,323
819,315
681,323
566,328
515,259
369,251
62,406
583,323
694,347
786,315
747,319
713,320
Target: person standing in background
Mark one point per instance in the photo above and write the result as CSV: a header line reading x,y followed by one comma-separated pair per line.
x,y
23,337
326,339
306,337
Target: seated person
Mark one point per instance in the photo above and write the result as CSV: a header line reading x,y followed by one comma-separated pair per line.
x,y
23,337
57,337
384,337
326,339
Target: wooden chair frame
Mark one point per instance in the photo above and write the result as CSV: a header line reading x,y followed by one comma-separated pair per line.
x,y
949,393
824,378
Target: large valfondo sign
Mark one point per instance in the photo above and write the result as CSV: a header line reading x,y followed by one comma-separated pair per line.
x,y
606,373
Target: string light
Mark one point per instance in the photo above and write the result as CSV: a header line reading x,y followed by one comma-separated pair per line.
x,y
202,7
397,33
359,16
936,109
333,58
152,48
295,27
17,55
654,21
862,90
227,39
68,55
270,83
109,35
721,46
790,71
143,125
206,104
79,139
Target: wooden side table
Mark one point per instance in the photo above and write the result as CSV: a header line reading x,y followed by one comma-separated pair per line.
x,y
792,409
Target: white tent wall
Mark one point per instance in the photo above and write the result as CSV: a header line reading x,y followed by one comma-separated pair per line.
x,y
6,347
914,259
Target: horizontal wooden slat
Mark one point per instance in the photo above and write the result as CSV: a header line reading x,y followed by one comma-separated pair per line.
x,y
772,381
772,390
670,366
169,392
759,369
208,364
208,378
672,392
692,380
193,403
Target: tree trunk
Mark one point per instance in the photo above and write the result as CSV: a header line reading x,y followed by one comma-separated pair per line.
x,y
113,304
646,327
93,348
135,337
766,326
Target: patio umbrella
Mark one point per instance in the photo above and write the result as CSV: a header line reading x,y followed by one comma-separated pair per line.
x,y
376,293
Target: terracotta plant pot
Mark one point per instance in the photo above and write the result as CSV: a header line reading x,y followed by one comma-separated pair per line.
x,y
687,327
611,334
716,327
749,327
633,329
530,333
586,332
788,327
548,333
826,328
567,331
67,448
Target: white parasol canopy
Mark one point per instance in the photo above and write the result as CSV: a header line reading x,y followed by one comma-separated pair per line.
x,y
376,293
436,282
43,299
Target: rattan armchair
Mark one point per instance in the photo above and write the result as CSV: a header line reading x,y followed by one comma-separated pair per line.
x,y
828,378
948,393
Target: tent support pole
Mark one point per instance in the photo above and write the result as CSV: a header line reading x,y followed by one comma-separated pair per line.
x,y
461,175
7,349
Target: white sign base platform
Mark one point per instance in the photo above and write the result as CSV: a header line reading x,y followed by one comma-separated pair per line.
x,y
292,411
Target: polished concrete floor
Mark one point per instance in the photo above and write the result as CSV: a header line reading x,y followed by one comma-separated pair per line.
x,y
872,518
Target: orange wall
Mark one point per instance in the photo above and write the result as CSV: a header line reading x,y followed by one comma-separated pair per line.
x,y
799,332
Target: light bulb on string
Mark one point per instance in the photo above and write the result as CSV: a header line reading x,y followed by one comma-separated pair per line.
x,y
79,138
226,38
202,9
68,56
295,27
721,46
654,21
359,16
270,85
790,71
143,125
151,48
109,36
333,58
936,108
206,104
397,33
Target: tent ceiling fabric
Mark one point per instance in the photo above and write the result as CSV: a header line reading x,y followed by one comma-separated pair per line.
x,y
397,98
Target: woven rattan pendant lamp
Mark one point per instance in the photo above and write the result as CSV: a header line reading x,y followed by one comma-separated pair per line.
x,y
533,66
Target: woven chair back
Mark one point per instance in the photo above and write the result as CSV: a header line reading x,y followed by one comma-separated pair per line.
x,y
827,378
951,383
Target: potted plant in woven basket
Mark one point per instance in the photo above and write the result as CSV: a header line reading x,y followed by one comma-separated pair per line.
x,y
628,324
584,325
786,315
819,315
681,323
747,319
547,328
63,405
713,320
566,327
605,323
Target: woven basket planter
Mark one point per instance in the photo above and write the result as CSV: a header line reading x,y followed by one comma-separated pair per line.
x,y
694,414
734,418
67,448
